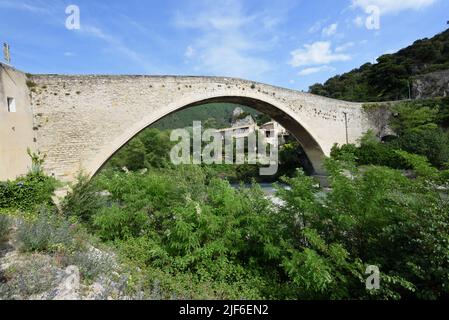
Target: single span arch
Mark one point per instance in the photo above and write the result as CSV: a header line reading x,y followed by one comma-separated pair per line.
x,y
277,112
80,121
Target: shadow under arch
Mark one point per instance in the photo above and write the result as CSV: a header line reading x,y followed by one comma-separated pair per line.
x,y
311,147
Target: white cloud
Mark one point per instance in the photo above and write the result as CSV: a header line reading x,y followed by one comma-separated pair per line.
x,y
359,22
228,41
393,6
316,27
189,52
271,22
344,47
315,54
116,44
69,54
330,30
312,70
38,8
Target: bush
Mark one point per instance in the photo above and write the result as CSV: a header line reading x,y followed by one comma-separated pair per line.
x,y
153,192
84,201
410,118
27,192
432,143
35,276
4,227
196,237
92,264
48,233
378,153
119,223
378,216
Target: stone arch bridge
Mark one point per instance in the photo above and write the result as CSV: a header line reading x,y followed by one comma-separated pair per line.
x,y
80,121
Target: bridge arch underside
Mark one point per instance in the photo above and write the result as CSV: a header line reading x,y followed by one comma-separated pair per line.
x,y
312,149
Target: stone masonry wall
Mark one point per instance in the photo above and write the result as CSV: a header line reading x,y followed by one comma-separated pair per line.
x,y
80,121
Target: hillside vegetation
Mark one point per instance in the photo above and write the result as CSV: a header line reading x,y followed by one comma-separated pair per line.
x,y
212,115
391,77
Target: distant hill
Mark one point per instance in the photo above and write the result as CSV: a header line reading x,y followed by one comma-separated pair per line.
x,y
216,115
393,76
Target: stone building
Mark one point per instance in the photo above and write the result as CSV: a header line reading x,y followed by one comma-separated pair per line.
x,y
243,125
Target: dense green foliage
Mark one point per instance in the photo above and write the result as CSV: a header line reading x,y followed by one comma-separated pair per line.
x,y
212,115
199,238
390,78
27,192
83,202
151,150
191,235
432,143
416,131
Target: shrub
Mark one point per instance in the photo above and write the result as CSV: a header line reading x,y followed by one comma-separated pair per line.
x,y
377,153
344,151
4,227
431,143
92,264
31,84
380,154
84,201
151,192
195,237
421,166
27,192
199,241
119,223
35,276
48,233
382,218
409,118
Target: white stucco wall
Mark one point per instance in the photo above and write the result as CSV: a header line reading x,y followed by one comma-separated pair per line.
x,y
16,128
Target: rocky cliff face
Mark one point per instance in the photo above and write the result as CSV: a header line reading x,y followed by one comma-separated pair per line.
x,y
241,118
431,85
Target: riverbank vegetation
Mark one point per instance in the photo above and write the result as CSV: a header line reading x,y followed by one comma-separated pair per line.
x,y
185,233
416,128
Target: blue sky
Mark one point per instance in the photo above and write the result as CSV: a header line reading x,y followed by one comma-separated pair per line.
x,y
284,42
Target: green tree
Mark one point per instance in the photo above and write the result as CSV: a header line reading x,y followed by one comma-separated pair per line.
x,y
431,143
410,119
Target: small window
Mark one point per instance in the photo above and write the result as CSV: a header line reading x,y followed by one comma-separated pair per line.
x,y
11,105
